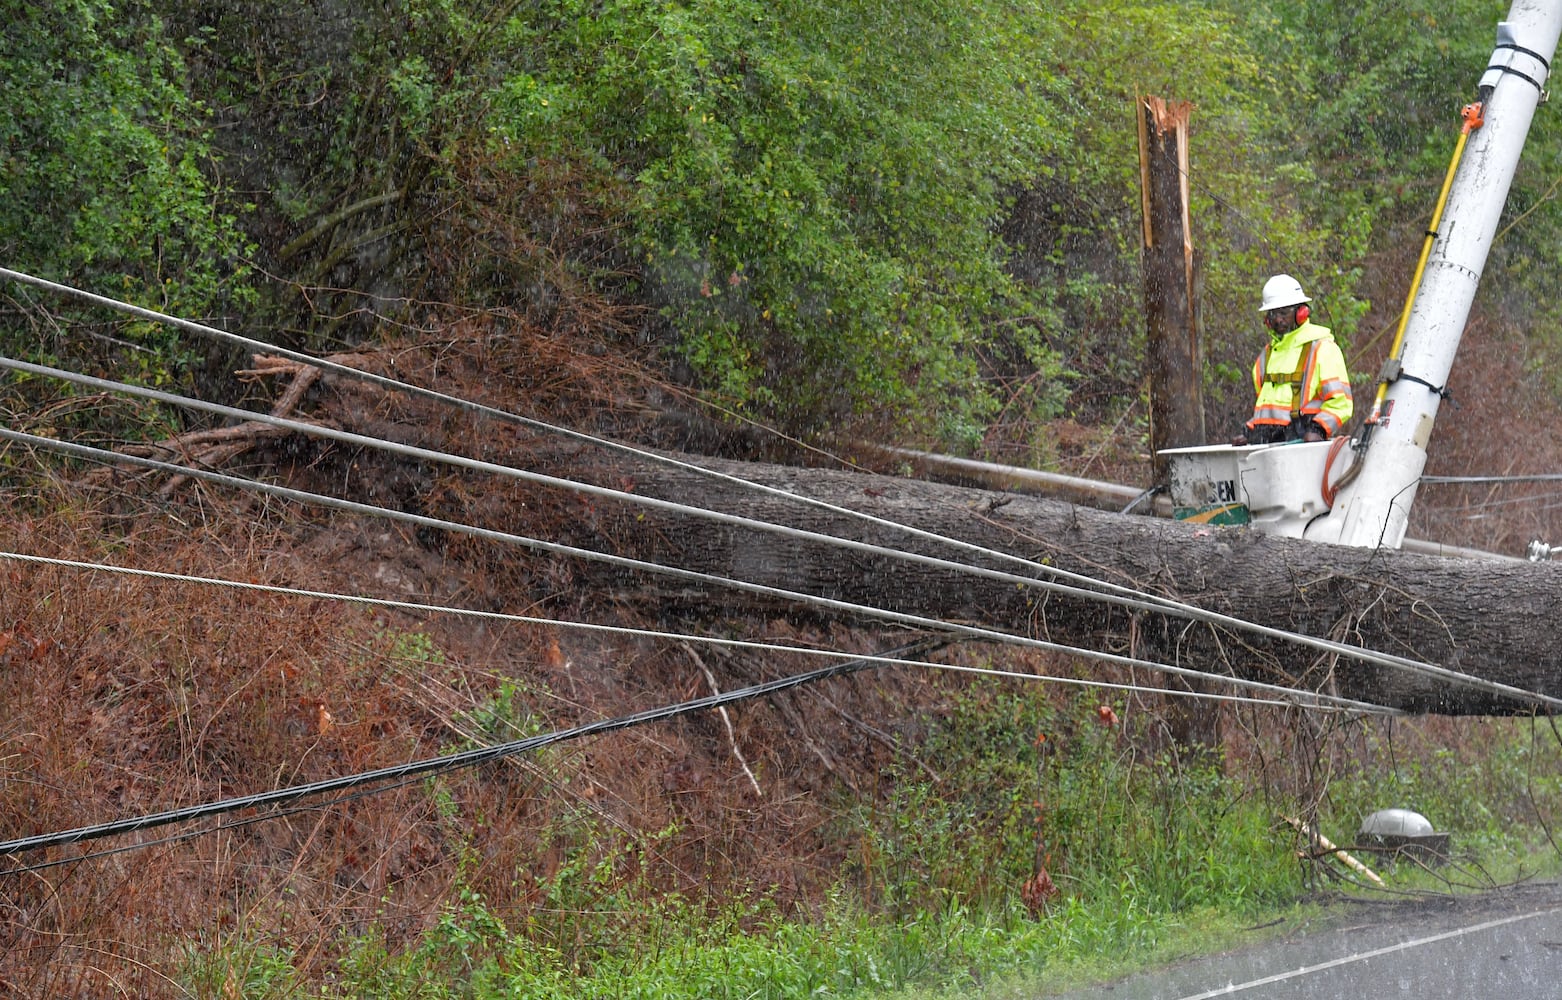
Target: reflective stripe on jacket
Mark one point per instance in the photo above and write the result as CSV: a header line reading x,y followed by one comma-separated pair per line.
x,y
1302,374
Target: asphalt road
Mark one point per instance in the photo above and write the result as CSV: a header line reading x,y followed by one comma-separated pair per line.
x,y
1505,944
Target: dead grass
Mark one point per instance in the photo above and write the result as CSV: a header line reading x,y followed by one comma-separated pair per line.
x,y
128,696
125,696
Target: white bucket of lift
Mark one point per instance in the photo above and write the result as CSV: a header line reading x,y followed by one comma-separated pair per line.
x,y
1278,488
1284,485
1206,484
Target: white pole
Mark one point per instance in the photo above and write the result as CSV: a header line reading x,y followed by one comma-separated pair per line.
x,y
1375,509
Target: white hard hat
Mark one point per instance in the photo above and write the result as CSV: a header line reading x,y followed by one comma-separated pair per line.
x,y
1282,290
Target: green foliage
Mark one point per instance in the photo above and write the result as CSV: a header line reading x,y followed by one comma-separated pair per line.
x,y
506,715
104,180
1114,828
1485,790
815,223
1374,89
927,213
238,969
1365,115
415,649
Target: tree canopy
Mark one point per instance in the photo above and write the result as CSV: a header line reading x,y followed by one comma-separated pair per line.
x,y
925,214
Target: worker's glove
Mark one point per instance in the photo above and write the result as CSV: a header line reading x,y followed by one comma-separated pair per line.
x,y
1307,429
1239,440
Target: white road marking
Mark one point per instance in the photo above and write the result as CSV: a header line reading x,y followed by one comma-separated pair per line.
x,y
1231,988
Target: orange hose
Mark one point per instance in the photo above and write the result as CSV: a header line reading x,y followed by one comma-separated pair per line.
x,y
1331,489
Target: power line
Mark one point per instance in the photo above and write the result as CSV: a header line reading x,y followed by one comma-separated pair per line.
x,y
360,375
402,774
1544,477
478,465
1165,604
430,455
434,765
1530,503
1148,604
98,454
219,828
625,630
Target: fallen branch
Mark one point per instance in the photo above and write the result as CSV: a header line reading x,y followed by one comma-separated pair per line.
x,y
1314,837
732,735
227,443
215,447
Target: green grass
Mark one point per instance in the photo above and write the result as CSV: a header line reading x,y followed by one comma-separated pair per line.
x,y
845,952
1157,857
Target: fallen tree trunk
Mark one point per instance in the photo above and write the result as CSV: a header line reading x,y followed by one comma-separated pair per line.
x,y
1487,619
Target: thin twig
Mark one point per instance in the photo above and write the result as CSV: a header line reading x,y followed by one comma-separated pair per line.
x,y
1529,783
732,735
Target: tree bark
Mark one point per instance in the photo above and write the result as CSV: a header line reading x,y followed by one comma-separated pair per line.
x,y
1173,343
1488,619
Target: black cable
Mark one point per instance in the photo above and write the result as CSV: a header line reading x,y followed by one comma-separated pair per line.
x,y
436,765
177,838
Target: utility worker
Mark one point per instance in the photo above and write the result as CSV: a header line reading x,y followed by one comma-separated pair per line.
x,y
1300,379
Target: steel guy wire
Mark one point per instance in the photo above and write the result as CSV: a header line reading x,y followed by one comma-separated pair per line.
x,y
1164,604
1488,504
1544,477
98,454
1323,645
625,630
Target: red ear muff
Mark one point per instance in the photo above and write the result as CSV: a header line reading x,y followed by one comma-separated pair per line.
x,y
1302,312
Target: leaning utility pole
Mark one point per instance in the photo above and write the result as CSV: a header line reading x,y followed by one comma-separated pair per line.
x,y
1374,510
1176,386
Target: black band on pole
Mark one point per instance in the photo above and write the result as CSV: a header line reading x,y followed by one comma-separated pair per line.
x,y
1440,390
1528,52
1518,73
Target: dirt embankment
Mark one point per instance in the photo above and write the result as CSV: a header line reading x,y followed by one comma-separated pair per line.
x,y
129,695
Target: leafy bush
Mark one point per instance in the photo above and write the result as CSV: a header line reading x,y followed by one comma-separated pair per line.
x,y
1115,828
815,223
106,182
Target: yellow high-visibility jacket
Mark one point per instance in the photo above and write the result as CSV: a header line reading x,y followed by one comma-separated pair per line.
x,y
1302,374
